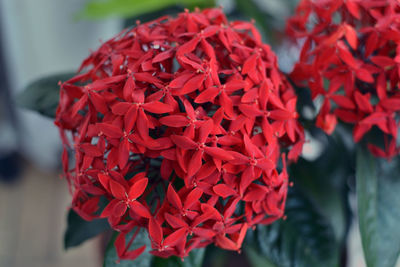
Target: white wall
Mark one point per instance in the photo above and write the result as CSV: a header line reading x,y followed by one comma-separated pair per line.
x,y
41,37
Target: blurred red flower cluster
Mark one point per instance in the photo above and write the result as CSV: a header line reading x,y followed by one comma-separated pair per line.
x,y
350,57
177,126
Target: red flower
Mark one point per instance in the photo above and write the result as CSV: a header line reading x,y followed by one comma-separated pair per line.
x,y
124,199
350,57
197,105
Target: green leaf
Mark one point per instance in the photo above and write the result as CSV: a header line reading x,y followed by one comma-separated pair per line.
x,y
43,95
96,9
325,181
144,260
195,259
305,238
378,187
79,230
256,259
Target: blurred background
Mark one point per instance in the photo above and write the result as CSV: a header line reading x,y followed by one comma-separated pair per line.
x,y
45,37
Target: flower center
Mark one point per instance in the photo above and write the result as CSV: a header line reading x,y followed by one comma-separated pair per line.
x,y
200,146
253,162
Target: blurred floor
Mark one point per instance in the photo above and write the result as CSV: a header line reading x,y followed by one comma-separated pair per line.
x,y
32,223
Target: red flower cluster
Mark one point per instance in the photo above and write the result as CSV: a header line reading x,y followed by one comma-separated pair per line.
x,y
351,57
177,126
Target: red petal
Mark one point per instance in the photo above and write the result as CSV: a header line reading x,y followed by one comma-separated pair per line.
x,y
351,36
225,243
374,118
130,118
226,104
133,254
137,188
250,96
91,150
119,209
188,47
242,235
120,244
163,56
175,222
99,102
347,58
207,95
174,238
123,153
392,104
179,81
265,164
381,86
157,107
250,64
183,142
108,210
192,84
371,43
138,208
223,190
128,88
155,231
192,198
205,130
174,121
343,101
104,180
208,48
117,190
363,102
360,130
353,8
382,61
174,198
195,163
142,125
121,108
218,153
364,75
109,130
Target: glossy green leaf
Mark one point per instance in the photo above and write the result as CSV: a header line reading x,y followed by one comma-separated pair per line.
x,y
305,238
378,187
43,95
96,9
144,260
79,230
325,181
195,259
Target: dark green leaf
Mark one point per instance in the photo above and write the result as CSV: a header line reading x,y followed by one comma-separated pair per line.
x,y
195,259
378,187
305,238
144,260
79,230
43,95
325,181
